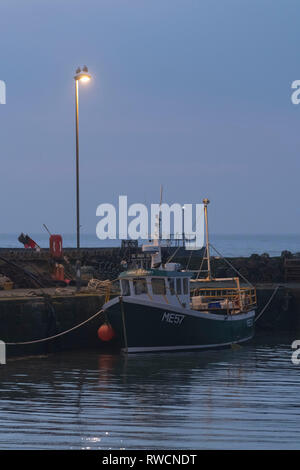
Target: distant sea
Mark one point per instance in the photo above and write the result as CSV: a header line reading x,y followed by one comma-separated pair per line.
x,y
228,245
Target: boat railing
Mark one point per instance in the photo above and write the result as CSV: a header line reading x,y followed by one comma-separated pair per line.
x,y
240,298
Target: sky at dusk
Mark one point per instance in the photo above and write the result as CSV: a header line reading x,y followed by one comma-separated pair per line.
x,y
191,94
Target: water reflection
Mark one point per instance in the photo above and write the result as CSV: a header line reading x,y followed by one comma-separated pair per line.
x,y
246,398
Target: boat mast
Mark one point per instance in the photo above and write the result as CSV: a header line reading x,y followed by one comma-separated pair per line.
x,y
155,247
159,217
206,202
157,229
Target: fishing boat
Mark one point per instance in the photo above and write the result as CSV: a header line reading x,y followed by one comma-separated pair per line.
x,y
161,308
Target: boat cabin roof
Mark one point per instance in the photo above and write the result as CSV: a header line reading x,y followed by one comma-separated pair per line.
x,y
153,273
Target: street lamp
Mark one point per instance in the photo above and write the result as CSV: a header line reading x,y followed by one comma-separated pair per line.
x,y
81,76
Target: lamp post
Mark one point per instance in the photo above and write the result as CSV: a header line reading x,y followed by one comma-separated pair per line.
x,y
80,76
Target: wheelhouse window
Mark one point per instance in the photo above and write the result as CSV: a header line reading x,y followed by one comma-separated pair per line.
x,y
171,286
178,286
185,286
125,287
158,286
140,286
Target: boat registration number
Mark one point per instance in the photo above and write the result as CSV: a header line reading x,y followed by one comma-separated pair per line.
x,y
174,318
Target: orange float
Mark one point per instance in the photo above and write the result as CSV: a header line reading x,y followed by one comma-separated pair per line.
x,y
106,332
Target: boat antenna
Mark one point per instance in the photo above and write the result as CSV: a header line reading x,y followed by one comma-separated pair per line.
x,y
155,248
159,217
206,202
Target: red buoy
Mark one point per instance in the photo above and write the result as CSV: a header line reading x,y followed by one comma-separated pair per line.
x,y
106,332
55,242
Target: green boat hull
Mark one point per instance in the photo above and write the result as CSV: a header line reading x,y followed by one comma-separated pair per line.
x,y
148,328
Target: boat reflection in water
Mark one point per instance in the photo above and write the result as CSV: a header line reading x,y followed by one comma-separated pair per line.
x,y
242,398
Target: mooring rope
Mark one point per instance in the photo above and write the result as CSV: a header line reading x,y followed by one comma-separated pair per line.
x,y
267,304
231,265
49,338
172,256
251,285
200,269
58,334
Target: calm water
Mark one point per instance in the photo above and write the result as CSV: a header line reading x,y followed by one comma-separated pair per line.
x,y
245,398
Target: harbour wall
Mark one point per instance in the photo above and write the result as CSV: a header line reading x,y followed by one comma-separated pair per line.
x,y
107,263
25,319
27,314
